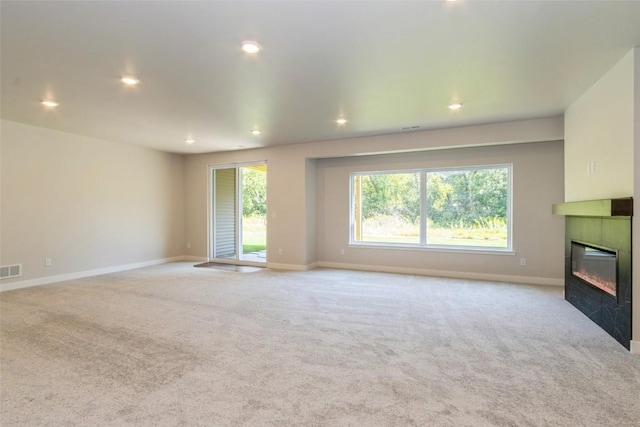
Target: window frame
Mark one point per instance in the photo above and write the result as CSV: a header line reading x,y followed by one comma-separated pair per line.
x,y
423,245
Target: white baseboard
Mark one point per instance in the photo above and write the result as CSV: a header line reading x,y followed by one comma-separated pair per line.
x,y
635,347
297,267
293,267
81,274
444,273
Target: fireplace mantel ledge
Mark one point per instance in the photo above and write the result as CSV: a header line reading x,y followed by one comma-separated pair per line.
x,y
621,207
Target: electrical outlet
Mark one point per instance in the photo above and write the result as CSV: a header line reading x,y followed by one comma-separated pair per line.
x,y
523,262
48,262
188,245
279,251
341,251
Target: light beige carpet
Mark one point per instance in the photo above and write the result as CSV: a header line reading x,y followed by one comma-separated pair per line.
x,y
174,345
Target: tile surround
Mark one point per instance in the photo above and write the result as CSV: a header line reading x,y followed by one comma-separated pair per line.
x,y
610,313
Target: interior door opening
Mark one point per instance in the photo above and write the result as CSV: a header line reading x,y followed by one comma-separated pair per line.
x,y
238,231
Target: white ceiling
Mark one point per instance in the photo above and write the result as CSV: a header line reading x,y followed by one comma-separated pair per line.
x,y
383,65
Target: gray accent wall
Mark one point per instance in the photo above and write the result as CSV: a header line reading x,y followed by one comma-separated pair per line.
x,y
308,203
537,175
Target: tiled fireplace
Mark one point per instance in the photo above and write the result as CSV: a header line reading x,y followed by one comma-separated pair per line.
x,y
598,262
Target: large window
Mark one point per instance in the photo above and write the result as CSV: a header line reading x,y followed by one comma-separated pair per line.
x,y
462,207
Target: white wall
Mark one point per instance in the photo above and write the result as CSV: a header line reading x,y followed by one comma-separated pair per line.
x,y
538,235
599,129
292,222
603,125
87,204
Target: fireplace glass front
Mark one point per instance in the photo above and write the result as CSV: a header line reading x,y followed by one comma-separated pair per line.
x,y
595,266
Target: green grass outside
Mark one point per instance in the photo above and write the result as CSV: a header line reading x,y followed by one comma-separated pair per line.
x,y
437,241
254,237
254,234
256,241
253,241
391,229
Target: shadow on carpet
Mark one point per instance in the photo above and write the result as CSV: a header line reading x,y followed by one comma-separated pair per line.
x,y
229,267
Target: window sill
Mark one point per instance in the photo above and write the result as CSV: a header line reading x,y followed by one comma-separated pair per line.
x,y
443,249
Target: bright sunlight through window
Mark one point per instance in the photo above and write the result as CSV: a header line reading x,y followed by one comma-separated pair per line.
x,y
463,207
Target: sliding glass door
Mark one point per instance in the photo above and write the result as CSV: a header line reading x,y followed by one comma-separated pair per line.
x,y
238,222
225,218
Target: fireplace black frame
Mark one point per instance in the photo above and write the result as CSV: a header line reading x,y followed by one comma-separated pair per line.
x,y
614,316
600,248
605,223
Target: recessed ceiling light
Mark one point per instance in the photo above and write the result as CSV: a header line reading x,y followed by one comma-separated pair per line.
x,y
251,47
341,120
238,146
189,141
47,102
455,106
256,132
129,80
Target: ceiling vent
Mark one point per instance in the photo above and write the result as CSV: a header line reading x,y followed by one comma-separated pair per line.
x,y
9,271
410,128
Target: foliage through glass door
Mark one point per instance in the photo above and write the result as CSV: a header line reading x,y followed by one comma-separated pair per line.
x,y
239,213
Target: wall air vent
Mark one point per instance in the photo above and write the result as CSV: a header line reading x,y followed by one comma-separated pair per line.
x,y
410,128
9,271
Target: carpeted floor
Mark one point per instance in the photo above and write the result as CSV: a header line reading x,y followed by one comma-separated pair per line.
x,y
174,345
